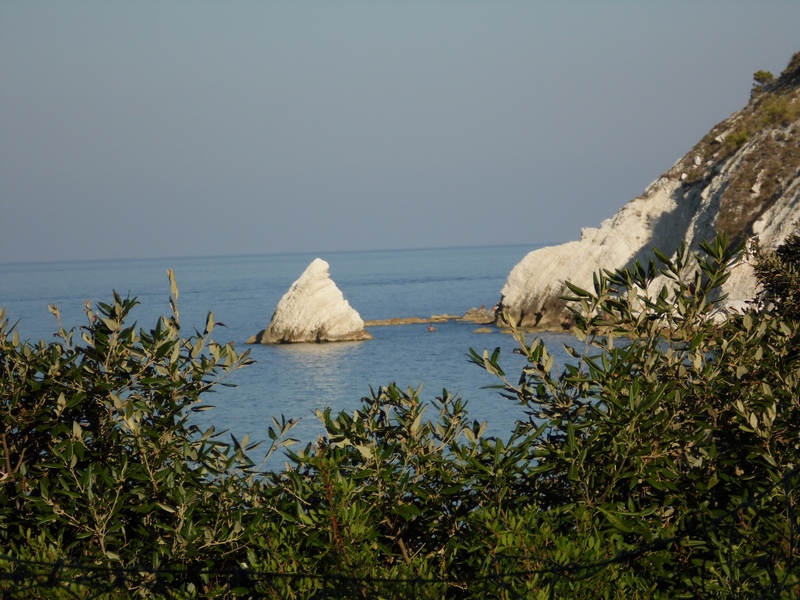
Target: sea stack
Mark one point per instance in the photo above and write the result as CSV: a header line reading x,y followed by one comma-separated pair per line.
x,y
313,310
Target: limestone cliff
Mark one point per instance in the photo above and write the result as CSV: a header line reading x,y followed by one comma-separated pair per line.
x,y
743,178
313,310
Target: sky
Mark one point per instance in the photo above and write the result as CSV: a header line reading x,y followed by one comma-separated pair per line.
x,y
194,128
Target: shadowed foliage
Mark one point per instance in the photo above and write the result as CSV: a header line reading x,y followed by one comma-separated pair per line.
x,y
660,462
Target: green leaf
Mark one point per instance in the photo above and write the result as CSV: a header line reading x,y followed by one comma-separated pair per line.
x,y
209,323
417,422
365,451
44,487
579,292
173,285
407,511
620,523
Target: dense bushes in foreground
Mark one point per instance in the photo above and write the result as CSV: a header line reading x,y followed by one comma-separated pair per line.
x,y
663,462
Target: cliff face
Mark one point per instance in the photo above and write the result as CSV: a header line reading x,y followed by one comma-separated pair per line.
x,y
743,177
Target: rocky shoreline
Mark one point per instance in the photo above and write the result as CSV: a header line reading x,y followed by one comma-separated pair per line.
x,y
479,316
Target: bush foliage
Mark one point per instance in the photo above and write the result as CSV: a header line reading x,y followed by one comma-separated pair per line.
x,y
761,80
778,272
661,462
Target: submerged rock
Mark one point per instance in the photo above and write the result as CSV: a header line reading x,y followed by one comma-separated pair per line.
x,y
481,316
313,310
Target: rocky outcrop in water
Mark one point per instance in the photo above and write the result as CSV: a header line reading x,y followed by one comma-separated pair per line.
x,y
313,310
473,315
742,178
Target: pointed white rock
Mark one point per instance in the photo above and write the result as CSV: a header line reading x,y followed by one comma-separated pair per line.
x,y
313,310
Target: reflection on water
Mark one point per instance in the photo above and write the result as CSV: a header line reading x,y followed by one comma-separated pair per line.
x,y
316,354
295,380
317,368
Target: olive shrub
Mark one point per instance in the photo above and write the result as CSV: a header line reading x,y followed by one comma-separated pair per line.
x,y
661,461
100,463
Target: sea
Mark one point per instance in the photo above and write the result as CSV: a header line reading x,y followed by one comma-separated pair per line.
x,y
295,380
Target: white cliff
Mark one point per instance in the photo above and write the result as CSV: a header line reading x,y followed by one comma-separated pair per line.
x,y
313,310
743,178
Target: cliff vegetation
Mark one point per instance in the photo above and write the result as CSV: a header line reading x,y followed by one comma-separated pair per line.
x,y
767,137
741,180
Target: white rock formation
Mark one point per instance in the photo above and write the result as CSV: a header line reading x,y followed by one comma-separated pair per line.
x,y
713,187
532,293
313,310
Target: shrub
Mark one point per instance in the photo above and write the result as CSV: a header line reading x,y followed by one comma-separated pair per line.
x,y
778,274
662,462
101,464
736,140
761,80
677,430
761,77
779,110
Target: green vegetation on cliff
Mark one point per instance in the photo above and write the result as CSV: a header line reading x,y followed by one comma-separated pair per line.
x,y
759,144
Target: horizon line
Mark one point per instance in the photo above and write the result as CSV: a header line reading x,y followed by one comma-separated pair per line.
x,y
254,254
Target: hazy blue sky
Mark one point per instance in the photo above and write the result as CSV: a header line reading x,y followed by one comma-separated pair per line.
x,y
171,128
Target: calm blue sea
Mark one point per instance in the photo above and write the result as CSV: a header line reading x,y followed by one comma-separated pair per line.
x,y
295,380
